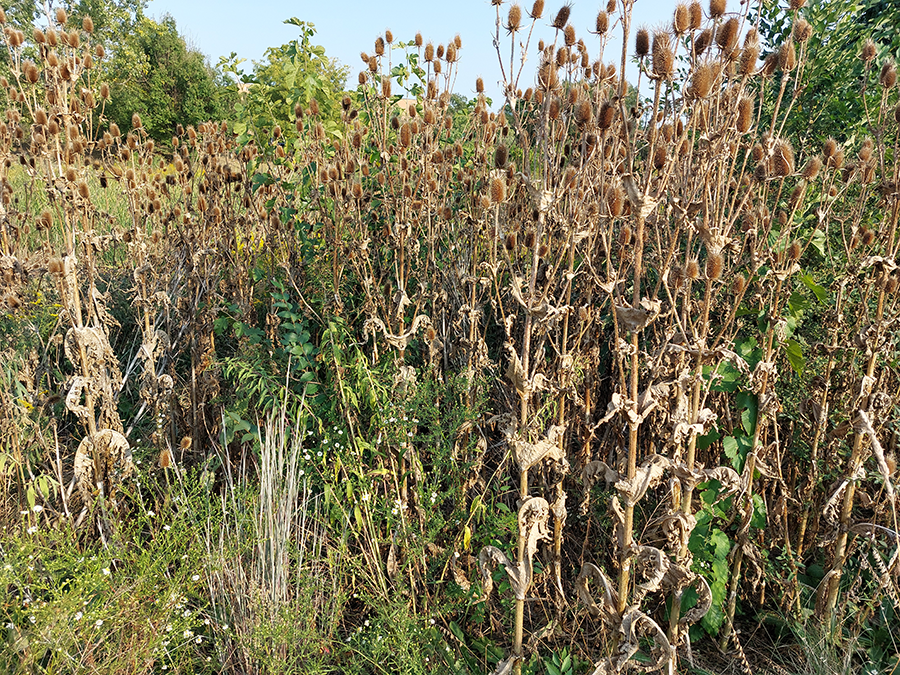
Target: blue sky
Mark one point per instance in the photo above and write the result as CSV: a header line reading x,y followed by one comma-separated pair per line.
x,y
344,29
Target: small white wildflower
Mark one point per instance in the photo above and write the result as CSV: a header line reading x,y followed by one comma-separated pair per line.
x,y
32,619
98,623
150,513
199,639
166,528
195,577
366,623
32,529
168,628
105,571
188,634
37,508
365,496
78,615
431,621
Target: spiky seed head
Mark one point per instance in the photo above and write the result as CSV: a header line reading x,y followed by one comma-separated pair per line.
x,y
437,67
727,35
61,16
379,46
783,159
543,251
702,41
681,20
501,156
695,15
514,19
606,115
555,107
87,24
897,113
510,243
692,269
39,36
868,237
796,5
830,148
569,35
562,17
548,78
745,114
812,168
440,51
663,55
888,77
45,220
890,287
702,79
642,43
2,16
457,41
362,79
601,25
659,158
583,112
429,52
615,201
865,151
787,56
319,132
537,9
386,87
749,55
418,40
802,30
451,53
562,57
313,107
479,86
388,37
610,6
869,51
529,239
714,265
739,284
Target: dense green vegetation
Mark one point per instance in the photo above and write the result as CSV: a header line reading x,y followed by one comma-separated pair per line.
x,y
295,377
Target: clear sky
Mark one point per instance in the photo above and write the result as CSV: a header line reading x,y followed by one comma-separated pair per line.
x,y
344,29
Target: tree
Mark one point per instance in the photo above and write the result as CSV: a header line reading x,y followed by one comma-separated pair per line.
x,y
154,73
830,103
293,74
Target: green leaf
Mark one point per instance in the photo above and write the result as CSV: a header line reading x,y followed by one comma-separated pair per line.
x,y
818,242
820,293
795,356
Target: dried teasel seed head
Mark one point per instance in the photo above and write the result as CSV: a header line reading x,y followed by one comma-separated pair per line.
x,y
514,18
795,250
479,86
386,87
830,148
498,190
87,24
55,266
714,265
888,77
681,20
601,25
802,30
457,41
783,159
45,220
529,239
584,111
812,168
663,55
703,41
787,56
83,190
642,42
40,117
692,269
868,237
796,5
451,53
869,51
717,8
615,201
440,51
510,243
606,115
555,108
313,107
39,36
865,151
418,40
71,175
702,79
659,158
749,57
745,114
727,35
625,235
569,35
362,79
696,15
61,16
379,46
562,17
501,155
739,284
897,113
429,52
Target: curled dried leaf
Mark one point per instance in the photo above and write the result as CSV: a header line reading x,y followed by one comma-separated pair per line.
x,y
102,461
606,609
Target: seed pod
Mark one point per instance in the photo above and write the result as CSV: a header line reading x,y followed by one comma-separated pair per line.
x,y
569,35
888,77
739,284
514,18
642,43
812,168
692,269
583,113
602,23
868,51
61,16
783,159
663,55
714,265
702,79
702,41
606,115
787,56
87,24
501,156
727,35
696,15
562,17
615,201
554,108
802,30
388,37
548,78
745,114
659,158
681,20
451,53
379,46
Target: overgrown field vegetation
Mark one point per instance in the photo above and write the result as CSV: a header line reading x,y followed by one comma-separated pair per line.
x,y
603,379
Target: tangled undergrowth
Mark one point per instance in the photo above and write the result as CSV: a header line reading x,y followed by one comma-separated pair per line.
x,y
567,386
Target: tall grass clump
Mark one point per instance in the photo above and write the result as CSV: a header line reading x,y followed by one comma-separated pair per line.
x,y
597,372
